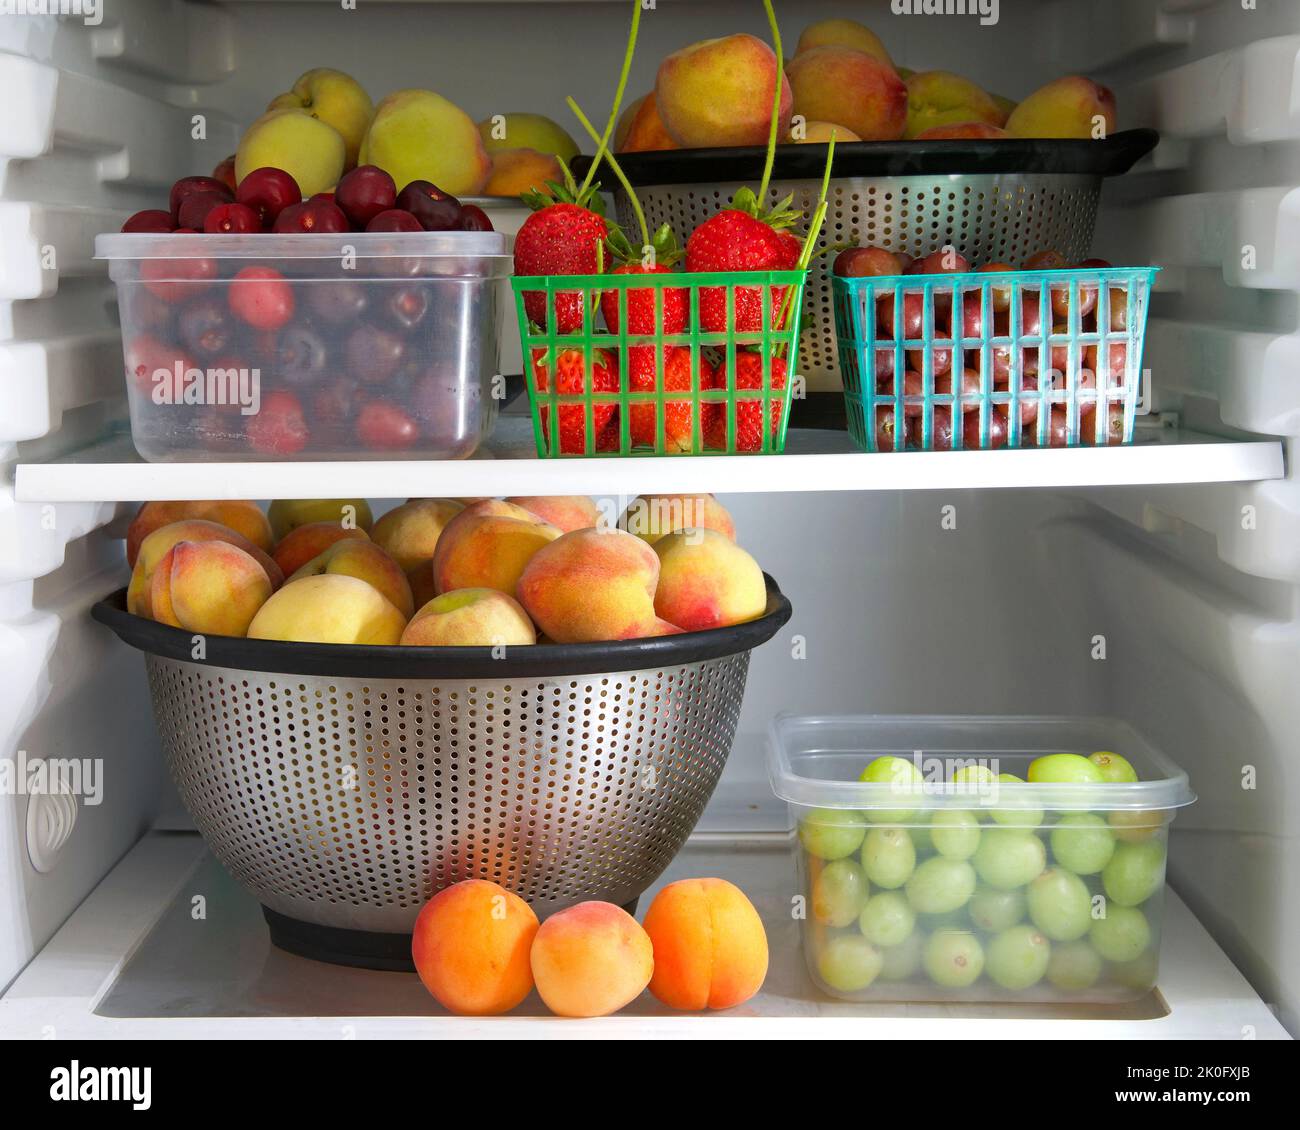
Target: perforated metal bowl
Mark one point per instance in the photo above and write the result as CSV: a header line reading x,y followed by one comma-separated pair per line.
x,y
344,786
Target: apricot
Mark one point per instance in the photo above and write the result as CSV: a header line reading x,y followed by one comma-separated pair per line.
x,y
839,84
591,960
470,618
329,608
155,546
208,586
243,517
641,129
566,512
302,543
286,514
409,533
487,545
842,33
815,133
592,585
651,516
941,98
720,92
515,171
706,581
710,948
1072,106
367,562
471,946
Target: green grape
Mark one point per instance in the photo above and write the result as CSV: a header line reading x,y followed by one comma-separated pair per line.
x,y
1122,935
899,962
1138,974
1135,825
831,833
887,919
1073,966
953,958
839,893
1009,857
902,777
955,833
1060,905
849,963
1135,872
973,776
921,840
1018,957
888,857
1016,817
1063,769
940,885
1082,842
1114,768
993,910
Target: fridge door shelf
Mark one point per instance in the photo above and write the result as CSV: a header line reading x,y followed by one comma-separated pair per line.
x,y
137,960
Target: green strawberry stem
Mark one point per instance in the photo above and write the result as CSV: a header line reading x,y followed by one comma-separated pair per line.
x,y
602,149
618,172
814,230
776,102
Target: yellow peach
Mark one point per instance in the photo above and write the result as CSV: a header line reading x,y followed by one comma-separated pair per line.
x,y
470,618
208,586
839,84
651,516
527,131
487,545
243,517
566,512
818,133
641,129
941,98
301,544
367,562
155,546
1072,106
842,33
410,532
286,514
706,581
329,608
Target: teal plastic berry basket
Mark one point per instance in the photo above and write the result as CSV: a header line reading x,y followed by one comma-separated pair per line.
x,y
718,385
1000,374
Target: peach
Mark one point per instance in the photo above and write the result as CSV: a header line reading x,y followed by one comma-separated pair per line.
x,y
591,960
471,946
592,585
470,618
410,532
362,559
286,514
243,517
1072,106
961,130
487,545
815,133
337,99
515,171
941,98
566,512
420,135
155,546
719,92
527,131
651,516
710,947
838,84
208,586
843,33
329,608
641,129
302,543
420,579
706,581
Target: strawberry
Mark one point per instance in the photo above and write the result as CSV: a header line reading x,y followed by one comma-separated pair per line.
x,y
563,236
641,300
679,415
571,380
749,413
742,238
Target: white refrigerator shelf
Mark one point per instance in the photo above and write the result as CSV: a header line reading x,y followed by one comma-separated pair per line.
x,y
135,961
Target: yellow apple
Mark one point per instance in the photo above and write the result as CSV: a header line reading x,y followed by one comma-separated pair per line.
x,y
420,135
308,149
334,98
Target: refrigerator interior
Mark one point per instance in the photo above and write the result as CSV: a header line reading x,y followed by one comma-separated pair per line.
x,y
1174,605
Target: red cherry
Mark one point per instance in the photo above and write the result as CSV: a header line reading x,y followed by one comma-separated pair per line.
x,y
150,220
394,220
473,218
364,193
188,186
436,210
268,191
385,427
231,219
194,209
145,355
311,216
278,427
177,280
261,298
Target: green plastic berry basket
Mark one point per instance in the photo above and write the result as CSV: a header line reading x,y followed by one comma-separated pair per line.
x,y
731,365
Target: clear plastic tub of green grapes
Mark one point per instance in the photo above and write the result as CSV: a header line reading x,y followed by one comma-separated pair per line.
x,y
977,858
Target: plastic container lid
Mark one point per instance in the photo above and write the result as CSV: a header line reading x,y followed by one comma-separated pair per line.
x,y
816,761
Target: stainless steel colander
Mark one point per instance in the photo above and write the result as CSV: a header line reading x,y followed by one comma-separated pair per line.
x,y
345,800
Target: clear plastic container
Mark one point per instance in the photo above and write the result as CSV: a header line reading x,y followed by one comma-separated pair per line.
x,y
975,889
362,345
